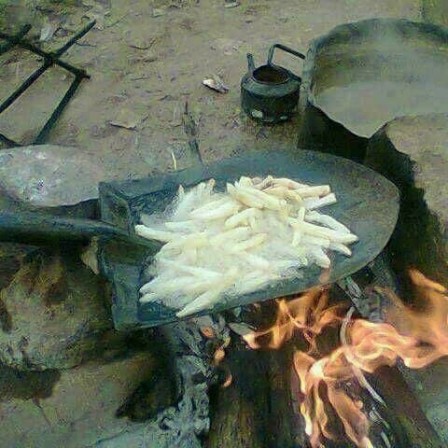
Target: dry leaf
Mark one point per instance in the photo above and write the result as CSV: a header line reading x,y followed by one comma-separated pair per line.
x,y
47,31
126,119
215,83
156,12
89,256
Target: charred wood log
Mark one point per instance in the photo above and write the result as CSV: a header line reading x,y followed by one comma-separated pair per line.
x,y
255,411
415,414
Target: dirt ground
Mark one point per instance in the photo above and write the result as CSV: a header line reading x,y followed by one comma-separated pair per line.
x,y
146,58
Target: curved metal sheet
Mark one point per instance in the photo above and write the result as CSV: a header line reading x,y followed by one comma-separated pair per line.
x,y
364,74
367,203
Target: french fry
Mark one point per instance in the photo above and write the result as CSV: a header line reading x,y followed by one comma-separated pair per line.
x,y
341,248
210,206
255,241
203,302
264,229
266,200
319,256
149,297
318,241
288,183
323,232
254,281
301,214
225,209
192,270
245,182
245,196
179,226
231,235
326,221
242,217
261,184
256,261
187,242
297,237
210,297
152,234
279,192
307,192
313,203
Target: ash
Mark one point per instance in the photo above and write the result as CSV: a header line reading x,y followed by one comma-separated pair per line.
x,y
182,425
368,301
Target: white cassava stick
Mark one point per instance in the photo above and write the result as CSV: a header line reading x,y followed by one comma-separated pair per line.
x,y
153,234
312,203
258,231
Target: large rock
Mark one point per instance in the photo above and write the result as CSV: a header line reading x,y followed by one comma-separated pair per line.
x,y
435,11
73,408
54,313
49,175
413,153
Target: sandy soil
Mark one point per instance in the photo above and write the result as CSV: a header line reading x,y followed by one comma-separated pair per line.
x,y
147,58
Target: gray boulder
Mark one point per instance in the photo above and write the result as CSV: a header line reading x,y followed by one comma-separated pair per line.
x,y
53,313
413,153
49,175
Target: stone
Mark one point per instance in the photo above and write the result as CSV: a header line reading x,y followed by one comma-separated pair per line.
x,y
362,75
75,408
54,312
435,11
413,153
430,387
49,175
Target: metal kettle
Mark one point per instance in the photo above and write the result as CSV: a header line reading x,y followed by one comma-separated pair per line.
x,y
270,93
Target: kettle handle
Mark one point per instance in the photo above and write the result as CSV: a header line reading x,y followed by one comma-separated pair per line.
x,y
250,62
284,48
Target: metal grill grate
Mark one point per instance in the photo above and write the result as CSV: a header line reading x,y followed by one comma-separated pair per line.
x,y
50,59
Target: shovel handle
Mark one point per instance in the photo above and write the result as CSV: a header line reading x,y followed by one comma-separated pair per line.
x,y
45,229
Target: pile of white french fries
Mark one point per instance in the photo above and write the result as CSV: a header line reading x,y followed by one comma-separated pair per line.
x,y
217,244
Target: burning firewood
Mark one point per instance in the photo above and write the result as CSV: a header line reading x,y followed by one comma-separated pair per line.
x,y
326,379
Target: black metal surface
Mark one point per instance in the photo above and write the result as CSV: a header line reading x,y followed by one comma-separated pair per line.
x,y
45,132
8,142
25,86
285,49
40,228
367,203
270,93
50,59
13,40
361,75
54,57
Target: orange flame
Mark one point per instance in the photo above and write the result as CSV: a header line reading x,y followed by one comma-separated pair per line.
x,y
418,338
309,314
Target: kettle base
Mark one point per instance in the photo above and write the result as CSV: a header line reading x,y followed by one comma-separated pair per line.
x,y
266,117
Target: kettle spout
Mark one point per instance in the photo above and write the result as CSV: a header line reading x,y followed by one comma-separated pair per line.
x,y
250,62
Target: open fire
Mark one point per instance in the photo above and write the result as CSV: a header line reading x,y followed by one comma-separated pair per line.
x,y
416,335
